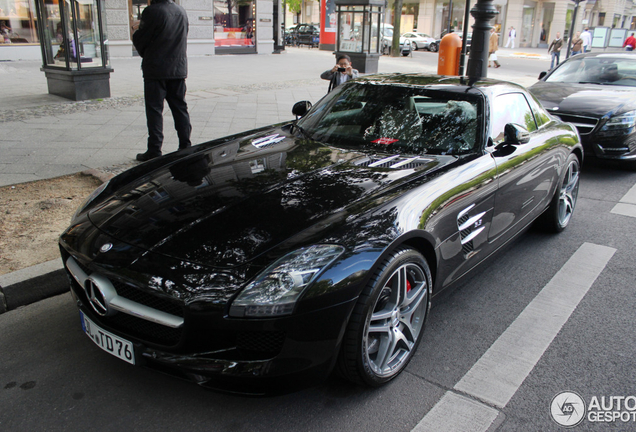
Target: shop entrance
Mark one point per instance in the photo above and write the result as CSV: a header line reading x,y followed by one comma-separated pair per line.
x,y
234,26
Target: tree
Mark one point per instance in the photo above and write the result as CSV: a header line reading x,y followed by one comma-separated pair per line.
x,y
294,6
397,20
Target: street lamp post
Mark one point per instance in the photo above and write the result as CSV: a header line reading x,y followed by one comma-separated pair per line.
x,y
576,8
483,12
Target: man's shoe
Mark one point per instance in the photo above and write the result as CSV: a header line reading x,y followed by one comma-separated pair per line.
x,y
143,157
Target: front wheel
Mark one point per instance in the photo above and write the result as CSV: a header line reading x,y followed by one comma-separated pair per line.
x,y
557,216
432,47
387,323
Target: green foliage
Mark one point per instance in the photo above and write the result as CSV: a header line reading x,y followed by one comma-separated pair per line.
x,y
294,5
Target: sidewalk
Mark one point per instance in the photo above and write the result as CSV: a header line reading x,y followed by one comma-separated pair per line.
x,y
44,136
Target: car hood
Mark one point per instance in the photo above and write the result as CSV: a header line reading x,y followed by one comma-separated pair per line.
x,y
229,202
585,99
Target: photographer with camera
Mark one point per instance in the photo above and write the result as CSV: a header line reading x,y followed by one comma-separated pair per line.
x,y
340,73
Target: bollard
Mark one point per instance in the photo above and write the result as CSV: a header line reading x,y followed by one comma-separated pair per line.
x,y
450,49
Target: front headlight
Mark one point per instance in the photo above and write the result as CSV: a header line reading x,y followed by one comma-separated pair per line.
x,y
274,291
620,122
90,198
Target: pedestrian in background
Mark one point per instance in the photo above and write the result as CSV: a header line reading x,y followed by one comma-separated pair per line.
x,y
340,73
577,44
555,50
493,45
161,41
512,34
587,40
630,43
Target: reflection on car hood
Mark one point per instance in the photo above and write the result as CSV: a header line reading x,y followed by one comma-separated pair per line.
x,y
228,203
585,99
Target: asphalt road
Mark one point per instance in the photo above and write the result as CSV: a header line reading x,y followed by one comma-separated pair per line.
x,y
53,378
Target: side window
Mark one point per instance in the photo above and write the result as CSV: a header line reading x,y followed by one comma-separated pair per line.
x,y
510,108
540,115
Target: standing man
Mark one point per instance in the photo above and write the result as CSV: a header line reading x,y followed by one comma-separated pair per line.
x,y
161,41
577,44
512,34
493,45
587,40
340,73
555,50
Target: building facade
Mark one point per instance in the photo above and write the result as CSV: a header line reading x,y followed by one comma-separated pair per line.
x,y
254,26
216,26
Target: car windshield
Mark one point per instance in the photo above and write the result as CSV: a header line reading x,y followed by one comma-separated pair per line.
x,y
413,120
596,70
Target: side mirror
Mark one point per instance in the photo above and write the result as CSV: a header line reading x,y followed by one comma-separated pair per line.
x,y
301,108
515,134
542,75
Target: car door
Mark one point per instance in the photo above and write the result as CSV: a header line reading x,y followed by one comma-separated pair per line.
x,y
525,172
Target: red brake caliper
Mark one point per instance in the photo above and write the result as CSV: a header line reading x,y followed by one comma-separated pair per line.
x,y
408,285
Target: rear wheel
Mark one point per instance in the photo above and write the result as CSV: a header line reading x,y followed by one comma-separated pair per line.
x,y
387,323
557,217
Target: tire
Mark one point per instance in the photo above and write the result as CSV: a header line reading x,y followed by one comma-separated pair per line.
x,y
433,47
415,47
387,323
558,214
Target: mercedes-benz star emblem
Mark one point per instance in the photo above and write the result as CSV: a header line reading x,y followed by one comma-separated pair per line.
x,y
96,297
106,247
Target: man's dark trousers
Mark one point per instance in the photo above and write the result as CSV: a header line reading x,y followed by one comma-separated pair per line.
x,y
173,91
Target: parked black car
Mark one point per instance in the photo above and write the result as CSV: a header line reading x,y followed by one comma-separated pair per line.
x,y
272,257
596,92
308,34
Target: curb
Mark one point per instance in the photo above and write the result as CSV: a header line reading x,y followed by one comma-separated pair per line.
x,y
32,284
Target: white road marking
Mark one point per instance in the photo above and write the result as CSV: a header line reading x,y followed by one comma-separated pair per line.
x,y
627,205
467,415
499,373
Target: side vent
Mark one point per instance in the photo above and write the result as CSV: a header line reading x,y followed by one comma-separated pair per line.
x,y
469,227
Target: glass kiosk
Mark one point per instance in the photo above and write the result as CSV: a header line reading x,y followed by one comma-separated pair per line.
x,y
74,48
359,32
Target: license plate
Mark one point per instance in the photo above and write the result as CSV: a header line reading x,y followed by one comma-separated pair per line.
x,y
120,348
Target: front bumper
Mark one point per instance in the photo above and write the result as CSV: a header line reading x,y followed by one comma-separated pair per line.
x,y
247,356
621,148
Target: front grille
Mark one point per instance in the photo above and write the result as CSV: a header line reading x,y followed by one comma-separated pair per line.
x,y
585,125
270,342
146,299
128,324
144,330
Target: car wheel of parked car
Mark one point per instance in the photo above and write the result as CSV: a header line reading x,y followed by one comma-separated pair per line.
x,y
433,47
557,217
387,322
415,47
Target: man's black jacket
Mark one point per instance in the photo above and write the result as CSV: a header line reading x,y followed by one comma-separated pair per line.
x,y
162,40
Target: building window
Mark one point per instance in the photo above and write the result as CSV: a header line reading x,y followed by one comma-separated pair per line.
x,y
234,26
17,22
601,19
